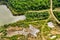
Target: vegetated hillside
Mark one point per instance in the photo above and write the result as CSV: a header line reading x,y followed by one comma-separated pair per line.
x,y
25,5
57,14
56,3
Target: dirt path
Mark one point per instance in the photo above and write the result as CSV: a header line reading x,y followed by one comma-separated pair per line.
x,y
51,11
40,10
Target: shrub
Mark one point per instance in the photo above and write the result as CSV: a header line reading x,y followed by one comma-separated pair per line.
x,y
56,3
37,15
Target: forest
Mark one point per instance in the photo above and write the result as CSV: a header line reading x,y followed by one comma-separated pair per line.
x,y
25,5
37,15
56,3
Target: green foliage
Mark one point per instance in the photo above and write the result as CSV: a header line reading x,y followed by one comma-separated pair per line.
x,y
57,14
37,15
26,23
46,29
58,35
3,30
19,24
56,3
13,38
25,5
21,37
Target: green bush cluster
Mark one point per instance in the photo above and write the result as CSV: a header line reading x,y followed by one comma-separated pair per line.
x,y
25,5
3,30
56,3
37,15
19,24
57,14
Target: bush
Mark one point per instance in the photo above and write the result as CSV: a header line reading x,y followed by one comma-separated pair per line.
x,y
37,15
56,3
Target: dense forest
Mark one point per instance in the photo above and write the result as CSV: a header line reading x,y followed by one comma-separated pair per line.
x,y
56,3
25,5
37,15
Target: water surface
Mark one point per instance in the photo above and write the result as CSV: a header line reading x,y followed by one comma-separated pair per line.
x,y
6,16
